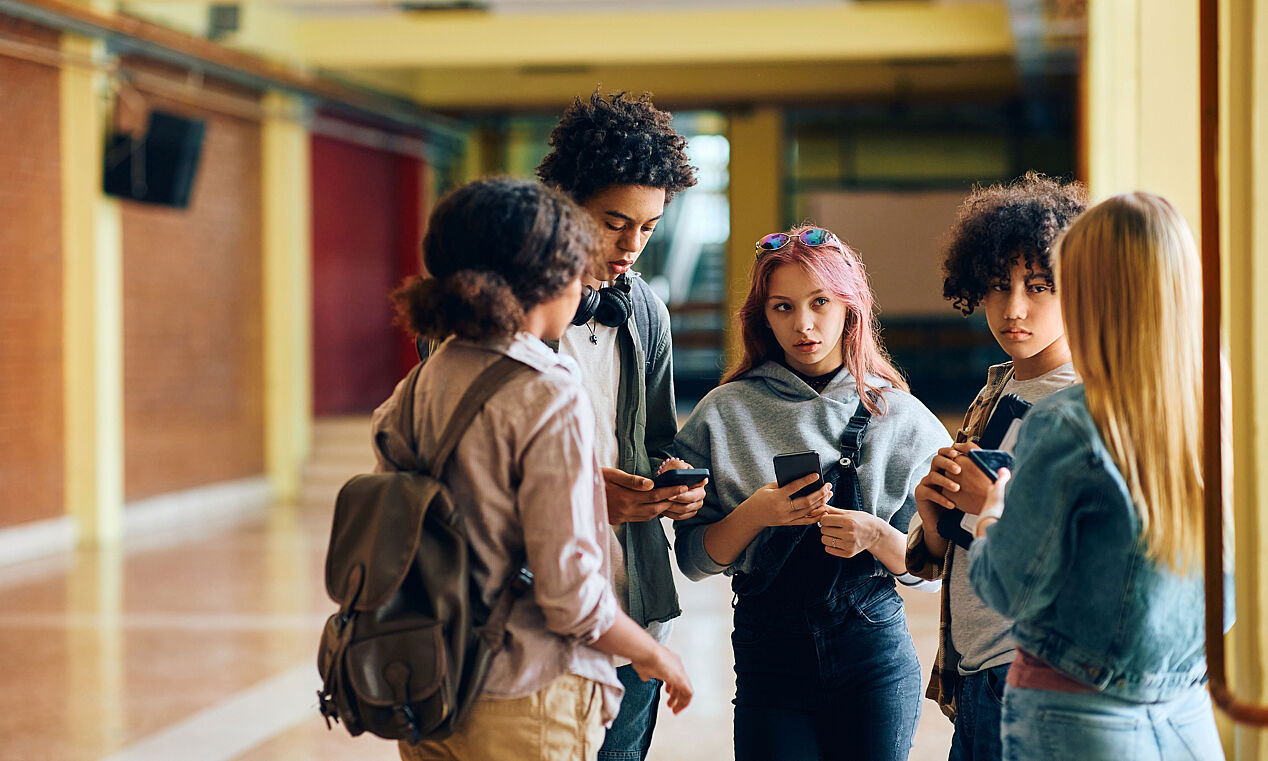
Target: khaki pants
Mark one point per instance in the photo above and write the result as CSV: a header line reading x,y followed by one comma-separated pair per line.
x,y
560,722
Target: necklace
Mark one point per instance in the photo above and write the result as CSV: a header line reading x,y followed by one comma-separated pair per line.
x,y
593,338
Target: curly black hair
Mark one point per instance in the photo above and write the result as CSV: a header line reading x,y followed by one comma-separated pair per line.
x,y
494,249
617,140
999,223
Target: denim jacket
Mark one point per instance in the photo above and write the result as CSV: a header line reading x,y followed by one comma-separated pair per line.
x,y
1066,563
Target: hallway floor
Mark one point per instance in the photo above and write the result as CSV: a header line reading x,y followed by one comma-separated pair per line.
x,y
200,645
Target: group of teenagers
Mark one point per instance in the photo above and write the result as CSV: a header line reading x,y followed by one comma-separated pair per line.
x,y
1071,616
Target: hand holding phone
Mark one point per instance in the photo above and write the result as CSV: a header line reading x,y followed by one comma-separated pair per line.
x,y
680,477
793,465
777,504
989,461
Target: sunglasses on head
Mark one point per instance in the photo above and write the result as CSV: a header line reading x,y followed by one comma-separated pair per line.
x,y
815,236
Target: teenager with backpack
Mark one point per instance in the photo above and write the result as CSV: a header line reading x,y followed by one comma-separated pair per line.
x,y
504,259
619,158
998,257
1094,547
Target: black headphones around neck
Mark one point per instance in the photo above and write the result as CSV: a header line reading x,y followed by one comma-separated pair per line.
x,y
610,305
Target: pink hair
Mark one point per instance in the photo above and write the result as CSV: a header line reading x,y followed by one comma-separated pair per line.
x,y
838,269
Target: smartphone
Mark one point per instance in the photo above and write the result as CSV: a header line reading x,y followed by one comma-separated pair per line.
x,y
1009,409
789,467
681,477
989,461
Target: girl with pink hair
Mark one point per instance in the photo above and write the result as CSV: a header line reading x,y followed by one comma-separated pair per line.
x,y
825,666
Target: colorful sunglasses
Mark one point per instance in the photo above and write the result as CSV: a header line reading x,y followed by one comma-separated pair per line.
x,y
815,236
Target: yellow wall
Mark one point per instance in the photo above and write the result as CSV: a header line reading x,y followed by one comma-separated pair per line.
x,y
1143,100
286,191
1244,215
755,194
1143,133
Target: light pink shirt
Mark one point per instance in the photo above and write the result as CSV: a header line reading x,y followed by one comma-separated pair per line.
x,y
526,475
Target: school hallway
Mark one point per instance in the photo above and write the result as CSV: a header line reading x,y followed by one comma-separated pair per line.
x,y
200,645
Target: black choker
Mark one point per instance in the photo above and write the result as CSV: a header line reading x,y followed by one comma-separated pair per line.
x,y
816,382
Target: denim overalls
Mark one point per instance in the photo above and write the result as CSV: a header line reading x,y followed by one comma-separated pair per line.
x,y
825,667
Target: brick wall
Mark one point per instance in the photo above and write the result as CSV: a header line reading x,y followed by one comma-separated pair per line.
x,y
193,341
31,396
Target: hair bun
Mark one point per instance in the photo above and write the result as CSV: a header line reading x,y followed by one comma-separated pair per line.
x,y
470,304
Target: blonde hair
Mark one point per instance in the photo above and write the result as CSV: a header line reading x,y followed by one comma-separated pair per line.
x,y
1130,285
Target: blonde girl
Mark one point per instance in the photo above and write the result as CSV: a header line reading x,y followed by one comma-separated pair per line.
x,y
1096,557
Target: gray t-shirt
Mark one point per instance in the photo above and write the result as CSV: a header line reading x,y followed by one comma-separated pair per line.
x,y
979,634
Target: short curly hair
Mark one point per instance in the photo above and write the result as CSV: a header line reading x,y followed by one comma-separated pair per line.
x,y
998,224
616,140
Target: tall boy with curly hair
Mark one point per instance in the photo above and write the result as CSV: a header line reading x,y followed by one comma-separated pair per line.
x,y
998,256
619,158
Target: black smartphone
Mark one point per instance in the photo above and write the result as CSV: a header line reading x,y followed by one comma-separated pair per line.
x,y
793,465
1010,407
681,477
989,461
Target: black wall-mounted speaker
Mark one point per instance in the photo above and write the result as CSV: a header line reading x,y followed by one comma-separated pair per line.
x,y
160,166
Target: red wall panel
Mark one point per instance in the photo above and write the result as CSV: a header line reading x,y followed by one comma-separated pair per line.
x,y
366,222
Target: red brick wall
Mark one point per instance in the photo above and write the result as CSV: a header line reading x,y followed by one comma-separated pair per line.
x,y
366,231
193,340
31,397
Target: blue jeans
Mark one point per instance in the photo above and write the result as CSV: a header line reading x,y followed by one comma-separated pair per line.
x,y
836,680
1060,725
979,698
631,733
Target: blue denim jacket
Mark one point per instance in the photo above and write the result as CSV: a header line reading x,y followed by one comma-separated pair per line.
x,y
1066,564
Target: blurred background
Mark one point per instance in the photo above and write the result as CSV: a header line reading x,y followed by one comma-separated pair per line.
x,y
203,207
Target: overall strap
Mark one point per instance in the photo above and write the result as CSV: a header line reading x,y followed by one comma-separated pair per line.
x,y
851,447
852,439
482,389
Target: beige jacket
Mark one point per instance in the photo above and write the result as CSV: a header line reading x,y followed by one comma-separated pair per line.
x,y
526,474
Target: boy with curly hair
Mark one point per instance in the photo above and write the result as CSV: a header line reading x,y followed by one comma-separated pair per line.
x,y
998,256
619,158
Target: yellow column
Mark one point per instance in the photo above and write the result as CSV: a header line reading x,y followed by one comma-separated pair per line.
x,y
1143,100
1244,210
93,308
286,189
755,193
93,386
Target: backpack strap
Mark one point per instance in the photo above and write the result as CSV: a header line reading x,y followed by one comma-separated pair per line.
x,y
406,458
481,390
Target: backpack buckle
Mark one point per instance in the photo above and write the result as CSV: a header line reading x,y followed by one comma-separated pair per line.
x,y
411,721
326,705
522,581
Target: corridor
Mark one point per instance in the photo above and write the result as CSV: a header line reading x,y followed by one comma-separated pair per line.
x,y
200,646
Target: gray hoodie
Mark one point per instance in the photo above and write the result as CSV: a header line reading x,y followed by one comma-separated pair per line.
x,y
740,426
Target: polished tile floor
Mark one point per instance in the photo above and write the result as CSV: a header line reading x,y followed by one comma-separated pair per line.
x,y
200,645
